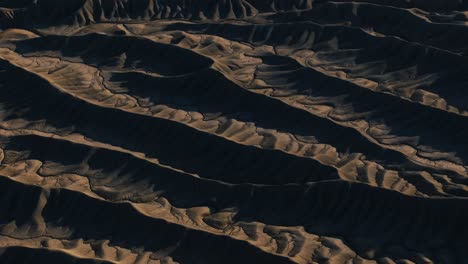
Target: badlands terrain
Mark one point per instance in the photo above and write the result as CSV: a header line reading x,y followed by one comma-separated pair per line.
x,y
234,131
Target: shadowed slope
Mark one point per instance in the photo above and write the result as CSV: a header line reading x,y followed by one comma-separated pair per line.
x,y
233,131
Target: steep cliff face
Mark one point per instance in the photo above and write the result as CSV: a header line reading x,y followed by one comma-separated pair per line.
x,y
81,12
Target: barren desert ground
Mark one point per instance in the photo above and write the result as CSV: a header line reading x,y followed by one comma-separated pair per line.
x,y
234,131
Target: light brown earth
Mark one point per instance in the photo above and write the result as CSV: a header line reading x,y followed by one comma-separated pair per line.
x,y
234,131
